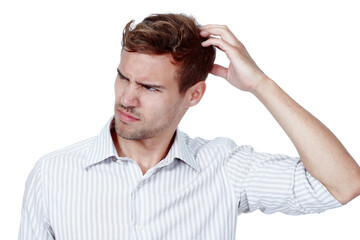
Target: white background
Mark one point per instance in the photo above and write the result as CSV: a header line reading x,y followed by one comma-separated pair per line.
x,y
58,63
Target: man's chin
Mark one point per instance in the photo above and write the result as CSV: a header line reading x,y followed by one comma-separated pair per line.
x,y
131,134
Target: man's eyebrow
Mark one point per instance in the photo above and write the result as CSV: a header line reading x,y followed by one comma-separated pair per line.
x,y
147,85
121,75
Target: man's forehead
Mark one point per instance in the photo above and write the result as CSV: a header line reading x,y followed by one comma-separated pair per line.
x,y
154,61
144,65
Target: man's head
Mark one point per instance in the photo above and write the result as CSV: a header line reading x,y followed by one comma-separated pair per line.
x,y
177,35
161,74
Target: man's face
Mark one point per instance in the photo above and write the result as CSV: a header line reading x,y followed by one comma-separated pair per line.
x,y
147,99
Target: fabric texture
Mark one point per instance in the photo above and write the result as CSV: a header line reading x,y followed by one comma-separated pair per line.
x,y
86,191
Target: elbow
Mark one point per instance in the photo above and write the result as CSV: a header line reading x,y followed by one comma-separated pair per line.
x,y
349,191
344,197
347,198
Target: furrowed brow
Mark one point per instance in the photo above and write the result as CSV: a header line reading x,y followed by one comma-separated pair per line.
x,y
149,85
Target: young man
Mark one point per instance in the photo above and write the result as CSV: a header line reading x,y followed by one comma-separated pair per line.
x,y
142,178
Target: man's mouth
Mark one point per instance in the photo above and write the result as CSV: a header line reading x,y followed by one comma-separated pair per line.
x,y
126,117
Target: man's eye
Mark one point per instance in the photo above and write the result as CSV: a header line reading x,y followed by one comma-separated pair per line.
x,y
123,78
151,89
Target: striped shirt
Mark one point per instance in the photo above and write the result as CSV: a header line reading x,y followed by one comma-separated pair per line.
x,y
85,191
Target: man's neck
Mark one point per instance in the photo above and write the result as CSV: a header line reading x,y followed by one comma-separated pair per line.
x,y
145,152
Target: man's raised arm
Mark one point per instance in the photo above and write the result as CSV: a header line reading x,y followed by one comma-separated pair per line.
x,y
321,152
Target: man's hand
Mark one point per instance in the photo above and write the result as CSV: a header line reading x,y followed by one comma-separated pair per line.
x,y
321,152
242,72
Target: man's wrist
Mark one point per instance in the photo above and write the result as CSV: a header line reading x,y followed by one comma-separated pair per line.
x,y
262,86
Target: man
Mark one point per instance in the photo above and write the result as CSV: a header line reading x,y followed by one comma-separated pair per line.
x,y
142,178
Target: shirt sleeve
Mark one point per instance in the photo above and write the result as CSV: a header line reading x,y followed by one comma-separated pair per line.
x,y
275,183
34,223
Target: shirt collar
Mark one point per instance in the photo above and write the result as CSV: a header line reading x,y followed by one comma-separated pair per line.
x,y
104,148
181,150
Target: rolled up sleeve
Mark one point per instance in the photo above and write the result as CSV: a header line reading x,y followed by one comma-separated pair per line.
x,y
276,183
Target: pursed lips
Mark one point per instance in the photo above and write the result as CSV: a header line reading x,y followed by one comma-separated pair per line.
x,y
127,117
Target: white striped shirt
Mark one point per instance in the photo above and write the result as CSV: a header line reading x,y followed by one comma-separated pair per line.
x,y
85,191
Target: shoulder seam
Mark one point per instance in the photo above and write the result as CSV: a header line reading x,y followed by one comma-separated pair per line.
x,y
41,170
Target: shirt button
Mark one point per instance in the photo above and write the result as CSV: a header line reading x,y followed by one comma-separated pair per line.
x,y
139,227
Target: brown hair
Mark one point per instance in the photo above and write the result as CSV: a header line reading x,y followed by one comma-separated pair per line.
x,y
175,34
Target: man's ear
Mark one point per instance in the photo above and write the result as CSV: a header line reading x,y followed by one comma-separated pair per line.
x,y
195,93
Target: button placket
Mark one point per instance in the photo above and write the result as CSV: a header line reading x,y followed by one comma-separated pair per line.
x,y
137,205
137,198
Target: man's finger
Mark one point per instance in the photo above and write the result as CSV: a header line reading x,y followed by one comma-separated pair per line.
x,y
218,70
207,26
219,30
217,42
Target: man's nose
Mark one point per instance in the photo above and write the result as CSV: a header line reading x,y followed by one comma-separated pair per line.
x,y
130,96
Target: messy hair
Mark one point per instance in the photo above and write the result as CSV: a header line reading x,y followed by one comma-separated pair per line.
x,y
177,35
